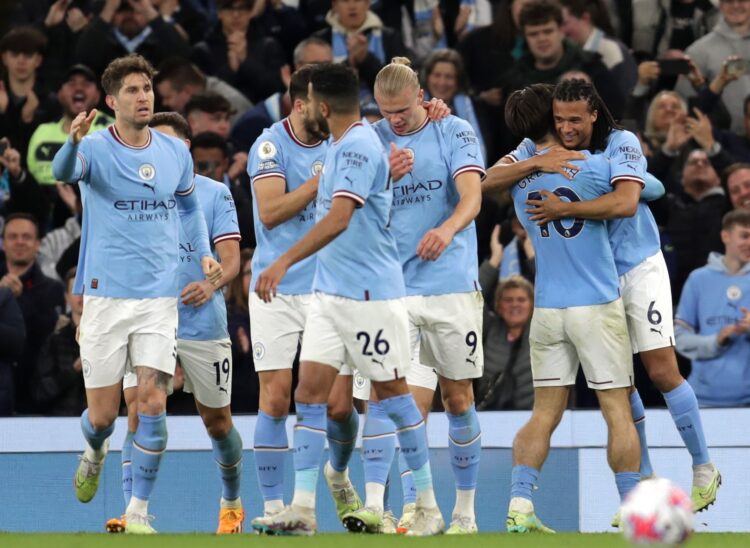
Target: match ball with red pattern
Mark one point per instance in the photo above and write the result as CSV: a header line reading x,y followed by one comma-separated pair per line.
x,y
657,512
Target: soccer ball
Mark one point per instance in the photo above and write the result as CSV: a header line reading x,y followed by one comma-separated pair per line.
x,y
657,512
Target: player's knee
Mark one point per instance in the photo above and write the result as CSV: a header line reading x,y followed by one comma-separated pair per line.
x,y
339,411
218,426
101,421
457,403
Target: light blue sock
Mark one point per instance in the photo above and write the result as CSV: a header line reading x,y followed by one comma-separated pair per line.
x,y
127,468
522,481
464,445
378,444
149,443
407,480
309,441
683,405
228,455
93,438
412,438
342,436
626,482
270,446
639,419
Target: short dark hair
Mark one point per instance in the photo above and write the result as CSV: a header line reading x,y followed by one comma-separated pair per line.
x,y
736,217
597,10
180,73
209,139
210,102
228,4
175,120
731,169
25,39
122,67
21,216
528,111
540,12
311,41
569,91
299,82
337,85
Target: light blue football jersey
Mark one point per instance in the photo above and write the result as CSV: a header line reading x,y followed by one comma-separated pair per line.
x,y
574,261
633,239
129,238
362,263
209,321
279,153
426,197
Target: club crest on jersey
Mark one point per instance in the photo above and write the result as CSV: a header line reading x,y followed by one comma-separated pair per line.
x,y
734,293
410,152
267,150
146,172
317,167
259,351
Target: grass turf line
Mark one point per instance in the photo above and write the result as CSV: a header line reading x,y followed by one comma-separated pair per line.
x,y
563,540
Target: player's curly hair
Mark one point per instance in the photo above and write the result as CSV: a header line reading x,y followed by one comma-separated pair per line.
x,y
338,86
569,91
121,67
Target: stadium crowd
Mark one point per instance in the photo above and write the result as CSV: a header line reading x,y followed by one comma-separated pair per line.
x,y
675,72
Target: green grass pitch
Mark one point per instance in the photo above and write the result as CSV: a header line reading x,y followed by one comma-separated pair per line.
x,y
565,540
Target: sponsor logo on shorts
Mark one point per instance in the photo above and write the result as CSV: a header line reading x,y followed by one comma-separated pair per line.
x,y
86,367
734,293
259,351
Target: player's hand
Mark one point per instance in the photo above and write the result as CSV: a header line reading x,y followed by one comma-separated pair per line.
x,y
269,280
743,326
434,243
12,282
726,332
400,162
546,210
496,248
81,124
29,107
557,160
56,13
197,293
212,270
436,109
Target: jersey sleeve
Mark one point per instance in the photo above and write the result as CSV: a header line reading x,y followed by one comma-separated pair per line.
x,y
626,158
72,163
187,178
357,166
523,151
266,158
465,150
225,225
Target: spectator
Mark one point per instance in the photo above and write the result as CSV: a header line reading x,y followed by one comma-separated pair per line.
x,y
12,345
240,54
24,101
550,55
692,219
58,383
283,23
443,77
245,385
586,23
713,321
78,93
675,24
729,37
359,38
251,124
211,158
188,18
517,252
209,112
178,80
736,180
22,193
63,24
129,26
506,382
40,298
56,242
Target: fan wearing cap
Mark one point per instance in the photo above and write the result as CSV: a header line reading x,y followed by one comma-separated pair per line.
x,y
78,93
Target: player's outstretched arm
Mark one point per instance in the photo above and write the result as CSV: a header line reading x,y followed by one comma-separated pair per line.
x,y
435,241
65,164
505,173
320,235
621,202
276,206
653,188
200,292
